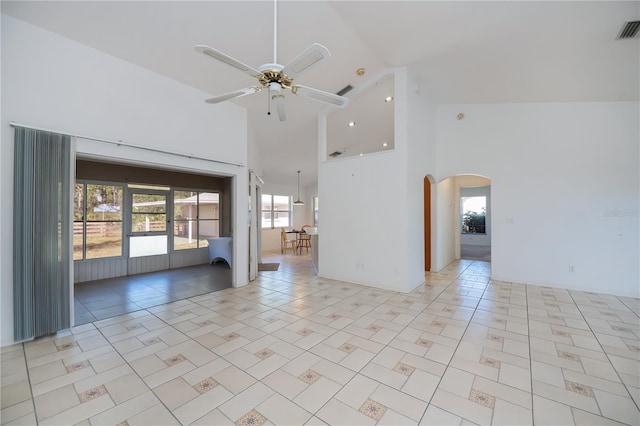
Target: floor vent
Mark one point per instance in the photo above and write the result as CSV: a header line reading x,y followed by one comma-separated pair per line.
x,y
629,30
335,154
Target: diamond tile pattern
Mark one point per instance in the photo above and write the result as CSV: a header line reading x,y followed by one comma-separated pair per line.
x,y
293,348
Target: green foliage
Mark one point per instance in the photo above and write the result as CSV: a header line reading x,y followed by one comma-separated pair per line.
x,y
104,202
474,222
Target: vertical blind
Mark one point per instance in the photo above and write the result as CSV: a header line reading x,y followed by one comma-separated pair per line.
x,y
41,238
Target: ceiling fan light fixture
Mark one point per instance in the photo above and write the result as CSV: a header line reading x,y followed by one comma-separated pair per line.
x,y
298,202
275,87
278,78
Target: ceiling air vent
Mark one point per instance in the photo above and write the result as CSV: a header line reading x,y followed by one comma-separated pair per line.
x,y
344,90
335,154
629,30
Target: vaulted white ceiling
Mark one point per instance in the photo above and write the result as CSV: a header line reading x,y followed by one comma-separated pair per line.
x,y
463,51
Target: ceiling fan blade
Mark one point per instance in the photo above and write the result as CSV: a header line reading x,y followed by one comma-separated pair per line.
x,y
311,56
223,57
319,95
278,101
232,95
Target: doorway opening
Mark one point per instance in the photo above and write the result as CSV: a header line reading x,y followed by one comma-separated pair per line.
x,y
460,223
427,183
475,222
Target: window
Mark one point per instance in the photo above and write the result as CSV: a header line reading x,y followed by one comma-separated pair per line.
x,y
97,220
473,211
276,211
196,217
98,225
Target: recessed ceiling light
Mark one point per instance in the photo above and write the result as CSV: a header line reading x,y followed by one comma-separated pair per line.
x,y
351,123
361,154
385,144
388,99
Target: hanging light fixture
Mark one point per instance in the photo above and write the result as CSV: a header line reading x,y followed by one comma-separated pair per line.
x,y
298,202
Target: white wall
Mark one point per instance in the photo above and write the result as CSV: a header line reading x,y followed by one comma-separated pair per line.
x,y
363,233
564,185
446,228
364,228
254,154
310,192
421,161
52,82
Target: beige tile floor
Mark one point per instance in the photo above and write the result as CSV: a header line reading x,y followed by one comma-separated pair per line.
x,y
292,348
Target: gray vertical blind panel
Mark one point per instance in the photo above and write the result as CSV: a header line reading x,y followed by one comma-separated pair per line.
x,y
42,218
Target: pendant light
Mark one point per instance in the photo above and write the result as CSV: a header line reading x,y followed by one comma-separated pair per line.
x,y
298,202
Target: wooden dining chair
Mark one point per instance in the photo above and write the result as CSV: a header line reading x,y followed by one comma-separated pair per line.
x,y
304,239
286,243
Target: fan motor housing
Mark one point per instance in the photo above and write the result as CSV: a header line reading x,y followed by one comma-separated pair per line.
x,y
272,73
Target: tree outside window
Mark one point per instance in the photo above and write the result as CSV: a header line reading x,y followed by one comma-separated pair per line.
x,y
474,214
97,220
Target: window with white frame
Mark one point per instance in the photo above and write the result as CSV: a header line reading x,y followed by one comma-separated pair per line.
x,y
97,220
276,211
196,217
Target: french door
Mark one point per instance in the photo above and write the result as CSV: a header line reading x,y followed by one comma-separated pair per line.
x,y
149,222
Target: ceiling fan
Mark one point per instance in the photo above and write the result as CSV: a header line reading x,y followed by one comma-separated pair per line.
x,y
277,78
